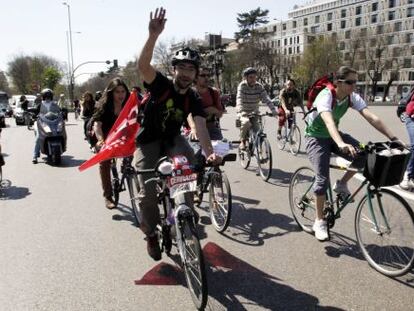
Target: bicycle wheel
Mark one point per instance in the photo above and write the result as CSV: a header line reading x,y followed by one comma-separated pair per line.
x,y
193,262
301,199
133,189
115,183
389,246
281,143
220,201
244,158
294,140
264,158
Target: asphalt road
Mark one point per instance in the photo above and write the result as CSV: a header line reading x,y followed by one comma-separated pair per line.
x,y
63,250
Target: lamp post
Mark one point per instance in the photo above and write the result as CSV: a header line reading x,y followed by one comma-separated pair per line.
x,y
71,54
72,77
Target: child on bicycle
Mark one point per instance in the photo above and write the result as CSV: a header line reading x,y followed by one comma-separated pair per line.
x,y
323,137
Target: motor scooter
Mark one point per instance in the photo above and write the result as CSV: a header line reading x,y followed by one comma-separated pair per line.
x,y
52,135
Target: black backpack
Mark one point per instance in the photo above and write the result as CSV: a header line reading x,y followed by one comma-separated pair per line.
x,y
403,102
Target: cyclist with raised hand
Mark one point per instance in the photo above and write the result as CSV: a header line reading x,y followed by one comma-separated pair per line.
x,y
249,94
160,132
323,137
289,97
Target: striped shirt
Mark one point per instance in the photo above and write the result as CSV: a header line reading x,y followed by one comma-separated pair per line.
x,y
248,97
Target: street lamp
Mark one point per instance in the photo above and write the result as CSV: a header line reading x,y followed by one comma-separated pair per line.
x,y
70,65
71,54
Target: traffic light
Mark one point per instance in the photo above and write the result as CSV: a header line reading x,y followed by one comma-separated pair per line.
x,y
115,66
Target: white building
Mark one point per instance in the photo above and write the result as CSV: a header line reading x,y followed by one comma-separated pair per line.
x,y
387,24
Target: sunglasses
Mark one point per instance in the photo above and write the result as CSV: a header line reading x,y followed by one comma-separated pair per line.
x,y
204,75
349,82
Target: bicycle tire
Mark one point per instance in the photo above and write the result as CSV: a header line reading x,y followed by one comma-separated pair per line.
x,y
133,189
281,143
295,140
220,204
193,262
264,161
244,158
115,183
389,259
302,207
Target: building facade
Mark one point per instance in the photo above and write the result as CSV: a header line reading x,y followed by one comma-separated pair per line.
x,y
375,37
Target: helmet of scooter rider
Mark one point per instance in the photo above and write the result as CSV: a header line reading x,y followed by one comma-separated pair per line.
x,y
187,55
47,94
249,71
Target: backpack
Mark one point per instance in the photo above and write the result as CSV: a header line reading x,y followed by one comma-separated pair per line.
x,y
317,87
403,102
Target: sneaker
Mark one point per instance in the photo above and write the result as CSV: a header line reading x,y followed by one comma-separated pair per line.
x,y
34,161
320,228
407,184
153,247
109,203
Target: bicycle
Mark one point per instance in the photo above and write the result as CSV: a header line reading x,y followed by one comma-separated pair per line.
x,y
214,181
174,177
381,214
290,135
129,175
259,147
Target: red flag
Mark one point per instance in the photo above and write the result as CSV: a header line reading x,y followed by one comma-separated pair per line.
x,y
120,142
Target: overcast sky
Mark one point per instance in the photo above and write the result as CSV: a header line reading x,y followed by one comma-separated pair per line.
x,y
112,29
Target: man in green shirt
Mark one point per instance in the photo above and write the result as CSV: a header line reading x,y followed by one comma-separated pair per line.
x,y
323,137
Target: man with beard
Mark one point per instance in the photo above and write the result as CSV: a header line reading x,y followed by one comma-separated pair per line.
x,y
160,133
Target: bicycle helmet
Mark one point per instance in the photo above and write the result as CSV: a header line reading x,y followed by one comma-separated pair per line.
x,y
186,55
248,71
47,94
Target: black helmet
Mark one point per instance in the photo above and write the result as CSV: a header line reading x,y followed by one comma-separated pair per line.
x,y
186,55
248,71
47,94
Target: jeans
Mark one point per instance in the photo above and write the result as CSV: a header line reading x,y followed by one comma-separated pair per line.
x,y
36,152
409,123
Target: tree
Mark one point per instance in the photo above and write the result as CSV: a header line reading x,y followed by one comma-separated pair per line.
x,y
162,57
19,71
4,84
319,58
131,75
248,23
375,58
51,77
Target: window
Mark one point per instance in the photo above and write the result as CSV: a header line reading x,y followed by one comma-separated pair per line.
x,y
297,39
380,29
316,19
410,12
373,42
407,63
294,24
284,26
305,22
363,32
278,43
285,43
315,29
411,76
273,44
343,24
391,15
409,38
329,27
343,13
290,41
358,10
342,45
391,40
290,51
374,18
348,34
398,26
329,16
391,3
274,28
297,50
358,21
374,6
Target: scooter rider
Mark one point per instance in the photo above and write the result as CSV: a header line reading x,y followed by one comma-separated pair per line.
x,y
47,105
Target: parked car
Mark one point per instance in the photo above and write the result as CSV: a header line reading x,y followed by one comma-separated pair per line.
x,y
379,98
18,111
2,119
6,109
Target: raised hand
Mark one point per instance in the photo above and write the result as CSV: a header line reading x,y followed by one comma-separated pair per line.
x,y
157,22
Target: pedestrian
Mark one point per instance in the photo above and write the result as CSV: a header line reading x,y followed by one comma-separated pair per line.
x,y
87,111
408,183
108,108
